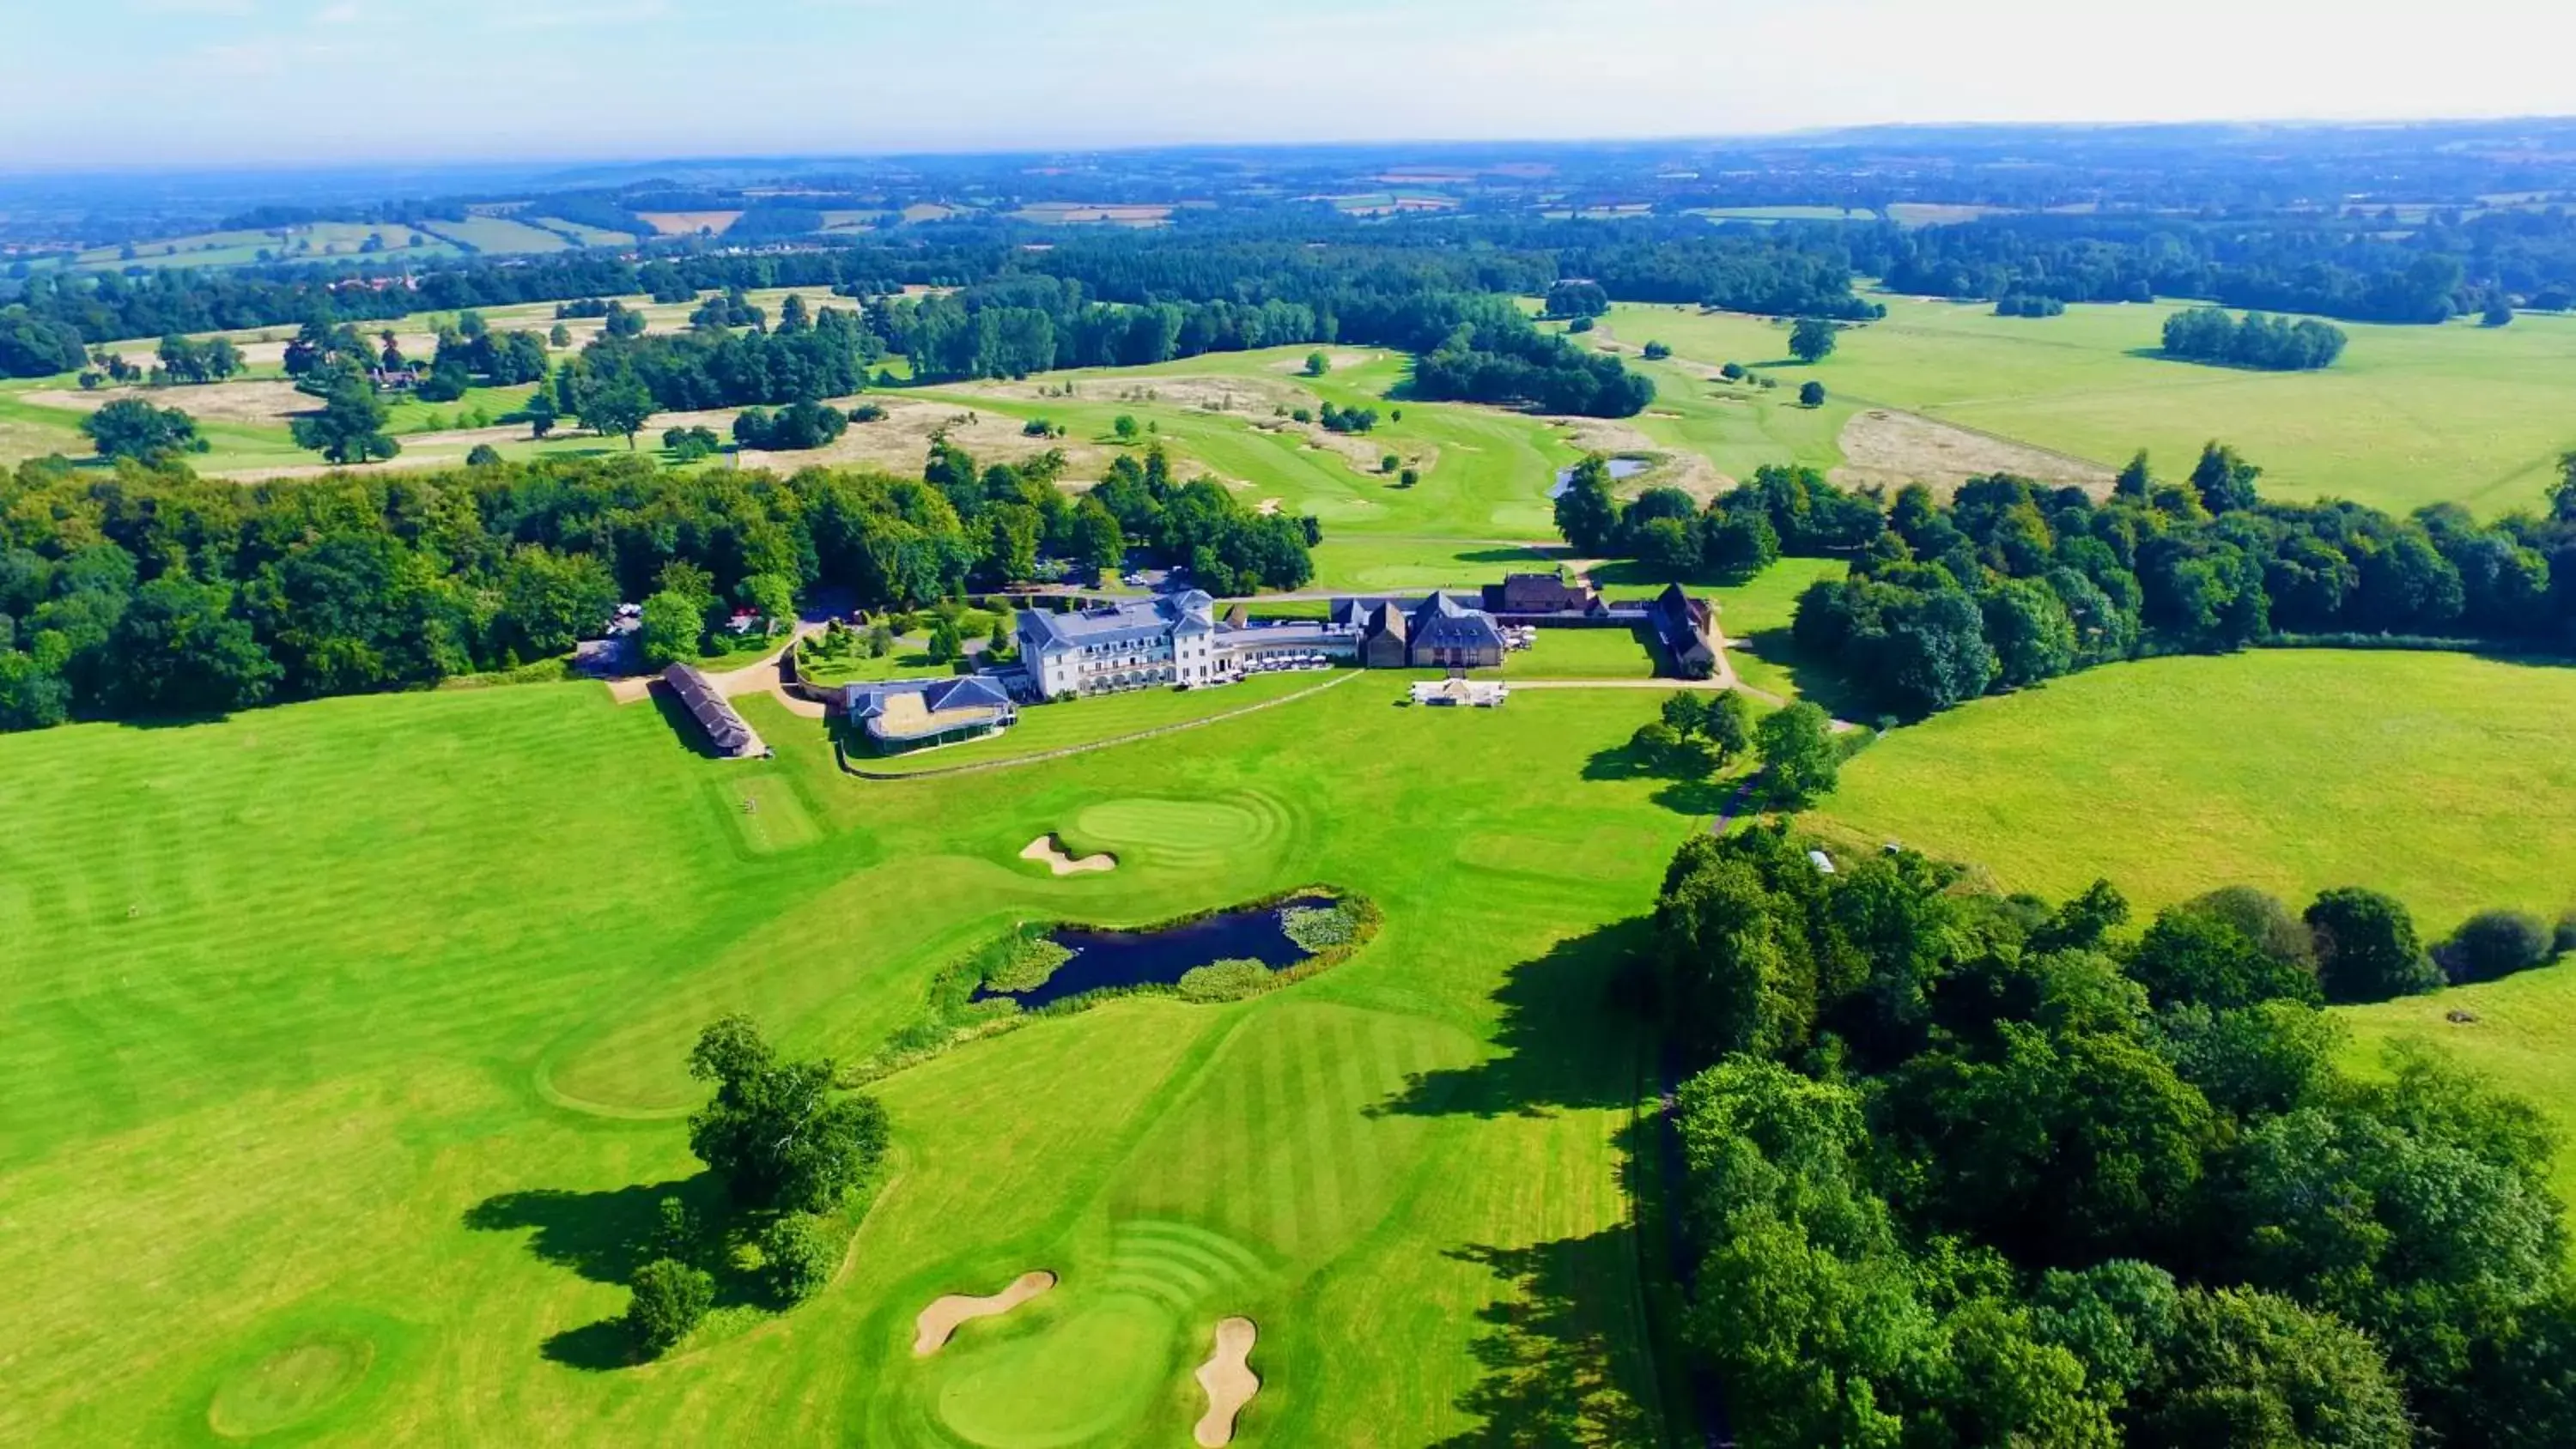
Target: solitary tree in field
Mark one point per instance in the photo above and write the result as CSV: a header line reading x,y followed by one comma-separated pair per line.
x,y
1125,428
1728,723
1800,760
778,1132
619,408
1317,364
132,428
1811,395
1812,340
351,426
540,412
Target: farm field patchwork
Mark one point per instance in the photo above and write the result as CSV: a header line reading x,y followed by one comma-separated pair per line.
x,y
2411,415
348,1051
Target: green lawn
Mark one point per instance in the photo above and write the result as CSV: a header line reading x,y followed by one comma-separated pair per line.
x,y
1044,727
1584,654
346,1052
1756,615
2443,779
2411,415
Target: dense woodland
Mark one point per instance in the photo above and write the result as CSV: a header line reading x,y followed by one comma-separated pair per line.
x,y
1972,1171
2360,269
1096,301
2012,583
147,593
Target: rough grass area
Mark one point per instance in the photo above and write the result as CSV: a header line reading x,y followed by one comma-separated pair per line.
x,y
346,1068
2443,779
2409,416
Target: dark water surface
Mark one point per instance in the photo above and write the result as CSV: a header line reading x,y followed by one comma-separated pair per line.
x,y
1620,468
1104,959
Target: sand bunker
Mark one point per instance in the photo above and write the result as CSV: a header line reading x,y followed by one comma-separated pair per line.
x,y
941,1319
1051,850
1229,1380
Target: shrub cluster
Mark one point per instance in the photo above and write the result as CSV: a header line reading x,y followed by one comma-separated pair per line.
x,y
2275,344
1218,981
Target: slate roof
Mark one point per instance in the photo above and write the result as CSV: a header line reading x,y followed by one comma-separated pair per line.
x,y
1134,621
1443,623
713,712
944,704
1539,594
1682,620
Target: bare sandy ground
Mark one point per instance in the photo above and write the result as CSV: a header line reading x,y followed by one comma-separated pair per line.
x,y
1690,472
1339,360
1230,1383
942,1319
1051,850
1892,449
231,402
898,442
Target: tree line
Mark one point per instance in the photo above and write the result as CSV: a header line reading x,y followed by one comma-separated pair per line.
x,y
1963,1169
2011,583
149,592
1300,261
2346,267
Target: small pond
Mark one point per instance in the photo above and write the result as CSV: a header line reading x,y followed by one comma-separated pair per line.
x,y
1621,469
1105,959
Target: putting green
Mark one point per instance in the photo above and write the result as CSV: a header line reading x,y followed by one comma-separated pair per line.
x,y
1089,1374
1184,833
290,1387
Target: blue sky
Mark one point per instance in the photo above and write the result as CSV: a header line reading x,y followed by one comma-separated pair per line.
x,y
140,82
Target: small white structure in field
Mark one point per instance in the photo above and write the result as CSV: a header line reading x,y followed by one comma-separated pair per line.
x,y
1823,863
1482,693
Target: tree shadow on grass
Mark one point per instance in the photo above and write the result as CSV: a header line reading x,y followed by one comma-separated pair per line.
x,y
605,1237
1817,680
1560,1364
1694,796
682,724
1568,1036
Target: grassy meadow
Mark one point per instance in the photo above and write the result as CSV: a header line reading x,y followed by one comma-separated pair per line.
x,y
347,1048
2440,778
2409,416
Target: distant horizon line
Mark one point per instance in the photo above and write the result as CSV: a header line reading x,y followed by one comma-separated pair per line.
x,y
524,164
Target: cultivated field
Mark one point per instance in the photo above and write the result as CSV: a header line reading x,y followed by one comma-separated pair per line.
x,y
346,1070
2411,415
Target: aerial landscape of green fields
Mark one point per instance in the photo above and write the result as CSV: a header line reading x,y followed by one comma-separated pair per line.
x,y
729,757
